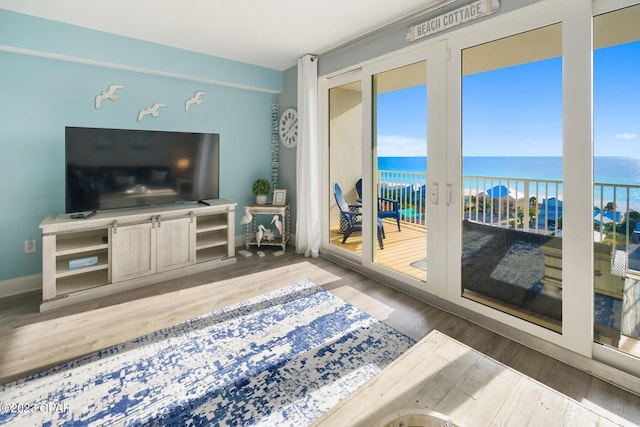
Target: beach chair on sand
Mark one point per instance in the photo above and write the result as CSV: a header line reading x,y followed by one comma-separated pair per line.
x,y
387,208
353,219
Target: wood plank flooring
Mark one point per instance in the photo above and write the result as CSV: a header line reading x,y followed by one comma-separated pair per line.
x,y
442,375
30,341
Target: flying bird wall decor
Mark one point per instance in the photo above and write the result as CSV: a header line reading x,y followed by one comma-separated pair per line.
x,y
153,111
194,100
109,94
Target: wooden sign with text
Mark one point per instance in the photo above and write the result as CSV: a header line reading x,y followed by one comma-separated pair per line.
x,y
470,12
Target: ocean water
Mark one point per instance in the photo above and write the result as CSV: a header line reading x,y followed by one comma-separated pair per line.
x,y
607,170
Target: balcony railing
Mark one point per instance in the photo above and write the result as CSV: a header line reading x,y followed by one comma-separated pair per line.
x,y
528,204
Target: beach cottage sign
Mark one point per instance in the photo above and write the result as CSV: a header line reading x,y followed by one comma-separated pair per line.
x,y
467,13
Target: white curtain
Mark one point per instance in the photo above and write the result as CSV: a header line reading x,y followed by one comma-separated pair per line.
x,y
308,233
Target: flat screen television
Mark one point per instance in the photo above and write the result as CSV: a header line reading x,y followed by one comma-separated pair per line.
x,y
119,168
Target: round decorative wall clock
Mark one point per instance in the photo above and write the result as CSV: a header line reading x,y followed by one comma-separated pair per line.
x,y
288,128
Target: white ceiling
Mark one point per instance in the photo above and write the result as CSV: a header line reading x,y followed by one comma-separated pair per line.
x,y
269,33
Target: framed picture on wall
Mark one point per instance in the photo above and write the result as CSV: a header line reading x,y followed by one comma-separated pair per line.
x,y
279,197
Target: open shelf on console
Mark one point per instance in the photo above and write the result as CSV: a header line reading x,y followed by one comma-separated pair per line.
x,y
82,241
80,282
211,239
63,268
211,253
211,223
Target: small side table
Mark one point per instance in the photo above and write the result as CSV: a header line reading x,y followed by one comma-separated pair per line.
x,y
281,238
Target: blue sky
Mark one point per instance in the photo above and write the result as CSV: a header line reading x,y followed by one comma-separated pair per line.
x,y
401,123
517,111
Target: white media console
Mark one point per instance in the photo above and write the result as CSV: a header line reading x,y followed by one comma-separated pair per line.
x,y
117,250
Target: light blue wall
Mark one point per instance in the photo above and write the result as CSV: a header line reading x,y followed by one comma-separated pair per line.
x,y
41,92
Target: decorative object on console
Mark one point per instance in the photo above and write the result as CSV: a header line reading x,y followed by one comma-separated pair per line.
x,y
260,234
269,236
83,262
280,197
246,219
289,128
195,99
153,111
261,188
278,223
109,94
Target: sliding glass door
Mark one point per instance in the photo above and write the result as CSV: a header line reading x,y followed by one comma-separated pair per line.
x,y
512,175
616,189
398,184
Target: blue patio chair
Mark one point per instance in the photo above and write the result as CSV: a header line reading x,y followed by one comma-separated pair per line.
x,y
387,208
353,219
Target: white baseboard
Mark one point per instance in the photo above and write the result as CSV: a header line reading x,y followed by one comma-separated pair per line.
x,y
20,285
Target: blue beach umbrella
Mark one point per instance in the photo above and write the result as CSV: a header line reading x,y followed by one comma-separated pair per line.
x,y
498,192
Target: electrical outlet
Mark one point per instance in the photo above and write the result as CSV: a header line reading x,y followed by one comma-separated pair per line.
x,y
29,246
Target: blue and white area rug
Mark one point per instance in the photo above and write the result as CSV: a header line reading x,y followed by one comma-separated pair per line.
x,y
283,358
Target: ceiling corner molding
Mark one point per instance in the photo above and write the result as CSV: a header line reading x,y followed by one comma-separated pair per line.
x,y
149,71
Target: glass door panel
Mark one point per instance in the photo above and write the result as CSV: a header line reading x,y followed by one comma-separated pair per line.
x,y
616,190
400,170
512,175
345,166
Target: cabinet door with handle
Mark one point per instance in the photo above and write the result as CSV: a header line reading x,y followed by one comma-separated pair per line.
x,y
175,243
132,254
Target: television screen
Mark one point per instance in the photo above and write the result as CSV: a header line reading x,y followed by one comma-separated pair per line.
x,y
117,168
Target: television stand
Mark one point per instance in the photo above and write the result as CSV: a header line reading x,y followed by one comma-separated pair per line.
x,y
117,250
202,202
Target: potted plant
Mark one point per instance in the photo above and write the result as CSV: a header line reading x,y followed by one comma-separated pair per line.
x,y
261,187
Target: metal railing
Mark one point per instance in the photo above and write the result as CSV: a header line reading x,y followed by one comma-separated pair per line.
x,y
532,205
409,189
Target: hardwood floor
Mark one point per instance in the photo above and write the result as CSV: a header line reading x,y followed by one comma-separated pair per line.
x,y
31,340
448,380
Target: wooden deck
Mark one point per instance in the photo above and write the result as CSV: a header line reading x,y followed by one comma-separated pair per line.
x,y
401,248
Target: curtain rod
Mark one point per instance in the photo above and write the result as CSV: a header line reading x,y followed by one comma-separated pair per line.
x,y
393,24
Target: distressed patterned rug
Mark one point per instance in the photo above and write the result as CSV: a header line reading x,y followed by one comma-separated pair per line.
x,y
283,358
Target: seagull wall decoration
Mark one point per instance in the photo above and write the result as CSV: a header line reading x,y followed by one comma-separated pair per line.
x,y
109,94
194,100
153,111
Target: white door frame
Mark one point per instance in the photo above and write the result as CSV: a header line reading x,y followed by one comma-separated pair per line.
x,y
434,53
